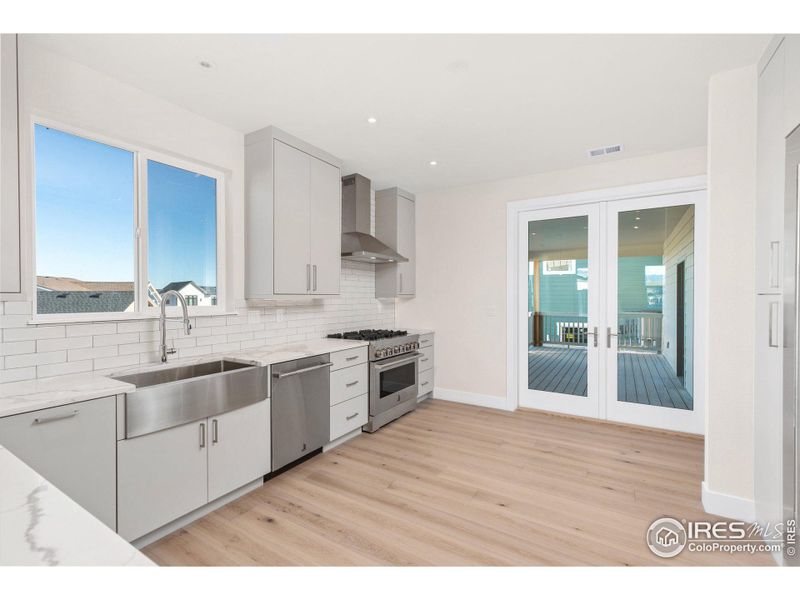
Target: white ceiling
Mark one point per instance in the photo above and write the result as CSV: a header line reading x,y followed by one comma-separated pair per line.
x,y
483,106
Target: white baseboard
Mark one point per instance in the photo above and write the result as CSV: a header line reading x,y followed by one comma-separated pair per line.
x,y
341,440
725,505
484,400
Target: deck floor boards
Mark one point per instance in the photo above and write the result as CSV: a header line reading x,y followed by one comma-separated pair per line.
x,y
642,377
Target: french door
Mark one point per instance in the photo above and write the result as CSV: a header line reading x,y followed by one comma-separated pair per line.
x,y
560,301
610,301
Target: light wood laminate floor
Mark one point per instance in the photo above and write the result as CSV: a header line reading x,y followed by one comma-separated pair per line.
x,y
452,484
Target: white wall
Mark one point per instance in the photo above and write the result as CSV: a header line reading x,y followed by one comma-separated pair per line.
x,y
679,246
461,262
731,286
77,96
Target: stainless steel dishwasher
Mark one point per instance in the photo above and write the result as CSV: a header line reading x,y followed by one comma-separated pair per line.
x,y
301,391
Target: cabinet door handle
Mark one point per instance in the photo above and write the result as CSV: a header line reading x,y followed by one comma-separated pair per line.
x,y
351,384
424,383
353,416
202,435
315,278
349,358
774,264
308,277
423,360
401,283
773,325
214,431
43,420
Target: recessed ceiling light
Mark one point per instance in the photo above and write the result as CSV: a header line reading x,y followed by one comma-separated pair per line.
x,y
638,218
205,64
372,120
636,227
372,258
433,163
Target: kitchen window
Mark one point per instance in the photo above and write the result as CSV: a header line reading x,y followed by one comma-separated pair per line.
x,y
117,226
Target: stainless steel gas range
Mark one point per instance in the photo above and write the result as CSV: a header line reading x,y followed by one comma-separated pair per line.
x,y
393,373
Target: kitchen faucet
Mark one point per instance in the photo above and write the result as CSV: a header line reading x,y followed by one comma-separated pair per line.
x,y
162,321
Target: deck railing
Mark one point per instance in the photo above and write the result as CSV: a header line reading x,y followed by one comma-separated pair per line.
x,y
640,330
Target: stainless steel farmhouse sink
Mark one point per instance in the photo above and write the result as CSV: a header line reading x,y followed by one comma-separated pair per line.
x,y
168,397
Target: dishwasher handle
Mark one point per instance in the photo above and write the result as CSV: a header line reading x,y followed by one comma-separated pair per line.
x,y
299,371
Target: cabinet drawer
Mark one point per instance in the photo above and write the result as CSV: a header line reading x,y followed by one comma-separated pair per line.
x,y
425,383
74,448
349,415
426,360
426,340
348,358
349,383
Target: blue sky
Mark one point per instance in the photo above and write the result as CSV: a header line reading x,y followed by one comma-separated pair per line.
x,y
84,214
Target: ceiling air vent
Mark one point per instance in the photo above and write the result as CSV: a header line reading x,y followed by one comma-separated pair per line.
x,y
595,152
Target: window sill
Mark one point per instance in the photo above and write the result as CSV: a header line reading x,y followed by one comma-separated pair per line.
x,y
57,319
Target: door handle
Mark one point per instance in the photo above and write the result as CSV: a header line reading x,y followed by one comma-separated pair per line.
x,y
608,337
351,384
774,264
773,322
593,333
308,277
353,416
315,278
214,431
202,435
401,283
299,371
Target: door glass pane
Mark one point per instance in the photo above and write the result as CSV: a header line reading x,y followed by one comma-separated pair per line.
x,y
558,304
84,225
655,295
182,235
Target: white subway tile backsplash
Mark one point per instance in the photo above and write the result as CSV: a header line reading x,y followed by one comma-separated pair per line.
x,y
67,343
8,375
33,333
91,329
115,339
80,366
116,361
26,347
39,358
106,347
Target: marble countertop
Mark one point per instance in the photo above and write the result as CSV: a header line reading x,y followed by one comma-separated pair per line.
x,y
35,394
42,526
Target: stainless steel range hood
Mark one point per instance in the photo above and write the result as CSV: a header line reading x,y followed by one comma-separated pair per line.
x,y
357,242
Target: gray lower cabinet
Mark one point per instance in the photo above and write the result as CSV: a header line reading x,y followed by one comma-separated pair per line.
x,y
162,476
239,448
73,447
168,474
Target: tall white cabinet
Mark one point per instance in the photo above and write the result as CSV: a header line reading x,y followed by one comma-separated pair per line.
x,y
778,115
10,280
293,208
395,224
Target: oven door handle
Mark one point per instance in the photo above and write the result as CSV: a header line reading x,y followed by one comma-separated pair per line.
x,y
406,359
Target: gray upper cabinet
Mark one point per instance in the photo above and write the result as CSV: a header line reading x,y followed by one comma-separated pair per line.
x,y
791,45
10,279
293,208
395,225
770,181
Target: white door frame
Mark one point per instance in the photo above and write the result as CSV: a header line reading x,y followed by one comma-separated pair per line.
x,y
658,188
589,405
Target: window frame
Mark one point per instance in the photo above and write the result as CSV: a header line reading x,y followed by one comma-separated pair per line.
x,y
141,155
